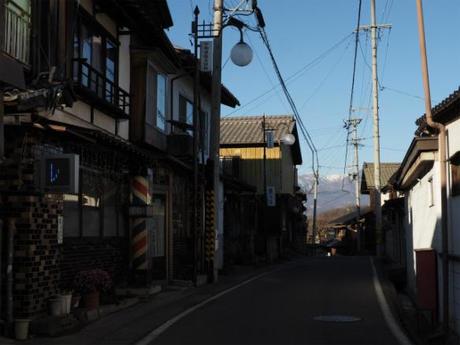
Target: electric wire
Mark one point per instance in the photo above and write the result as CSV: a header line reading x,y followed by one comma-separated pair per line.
x,y
303,130
350,108
311,64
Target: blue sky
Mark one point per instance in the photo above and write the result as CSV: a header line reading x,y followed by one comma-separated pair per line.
x,y
301,30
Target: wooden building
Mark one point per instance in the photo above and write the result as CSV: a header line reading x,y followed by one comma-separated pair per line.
x,y
244,140
100,82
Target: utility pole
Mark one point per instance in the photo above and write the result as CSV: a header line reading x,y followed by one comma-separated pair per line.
x,y
375,90
215,105
353,123
375,106
196,131
315,202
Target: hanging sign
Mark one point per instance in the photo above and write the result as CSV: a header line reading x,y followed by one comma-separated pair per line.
x,y
270,139
206,56
271,196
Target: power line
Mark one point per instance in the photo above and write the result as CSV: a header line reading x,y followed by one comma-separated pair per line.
x,y
355,58
298,73
299,120
328,74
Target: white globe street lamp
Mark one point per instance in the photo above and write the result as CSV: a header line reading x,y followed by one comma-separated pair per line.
x,y
288,139
241,54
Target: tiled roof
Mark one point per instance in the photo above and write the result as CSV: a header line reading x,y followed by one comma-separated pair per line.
x,y
249,129
386,171
440,113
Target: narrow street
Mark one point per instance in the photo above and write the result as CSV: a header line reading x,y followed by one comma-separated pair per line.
x,y
280,308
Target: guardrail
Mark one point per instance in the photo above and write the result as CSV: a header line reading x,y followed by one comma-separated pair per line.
x,y
93,80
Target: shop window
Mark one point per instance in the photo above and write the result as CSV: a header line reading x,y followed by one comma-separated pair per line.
x,y
98,211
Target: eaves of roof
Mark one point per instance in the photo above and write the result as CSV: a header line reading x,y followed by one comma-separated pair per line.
x,y
444,112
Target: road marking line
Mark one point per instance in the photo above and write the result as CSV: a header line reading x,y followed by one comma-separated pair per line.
x,y
162,328
387,314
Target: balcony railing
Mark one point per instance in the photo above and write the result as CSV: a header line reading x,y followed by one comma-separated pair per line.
x,y
16,39
106,91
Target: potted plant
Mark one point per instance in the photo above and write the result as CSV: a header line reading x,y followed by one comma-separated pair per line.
x,y
90,284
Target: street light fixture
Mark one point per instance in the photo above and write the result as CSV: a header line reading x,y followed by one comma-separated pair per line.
x,y
288,139
241,54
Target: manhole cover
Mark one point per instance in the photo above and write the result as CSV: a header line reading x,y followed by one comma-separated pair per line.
x,y
337,318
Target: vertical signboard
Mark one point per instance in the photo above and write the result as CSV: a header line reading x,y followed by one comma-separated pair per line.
x,y
206,56
271,196
270,139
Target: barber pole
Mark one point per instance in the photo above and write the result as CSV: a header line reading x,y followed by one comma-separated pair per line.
x,y
139,197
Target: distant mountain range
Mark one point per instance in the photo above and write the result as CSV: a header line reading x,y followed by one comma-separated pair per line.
x,y
330,192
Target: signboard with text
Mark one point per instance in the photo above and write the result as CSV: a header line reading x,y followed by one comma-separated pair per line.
x,y
270,139
271,196
206,56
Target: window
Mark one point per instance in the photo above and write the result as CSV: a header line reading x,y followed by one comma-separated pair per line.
x,y
17,26
96,61
156,98
98,210
161,102
186,112
455,170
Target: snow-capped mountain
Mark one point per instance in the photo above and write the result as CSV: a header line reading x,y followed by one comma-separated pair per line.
x,y
333,191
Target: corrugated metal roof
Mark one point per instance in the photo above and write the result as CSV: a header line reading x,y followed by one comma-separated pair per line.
x,y
249,129
386,171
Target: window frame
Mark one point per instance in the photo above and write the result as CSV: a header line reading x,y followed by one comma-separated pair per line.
x,y
151,96
120,232
23,53
183,102
85,19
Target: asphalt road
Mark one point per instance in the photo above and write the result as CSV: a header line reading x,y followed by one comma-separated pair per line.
x,y
280,308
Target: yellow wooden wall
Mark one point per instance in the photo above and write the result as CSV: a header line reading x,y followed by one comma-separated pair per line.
x,y
280,171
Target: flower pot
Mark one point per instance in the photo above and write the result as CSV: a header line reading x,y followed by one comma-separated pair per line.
x,y
21,329
67,303
55,306
76,301
91,300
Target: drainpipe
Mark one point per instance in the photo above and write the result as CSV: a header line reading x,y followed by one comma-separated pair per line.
x,y
442,136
